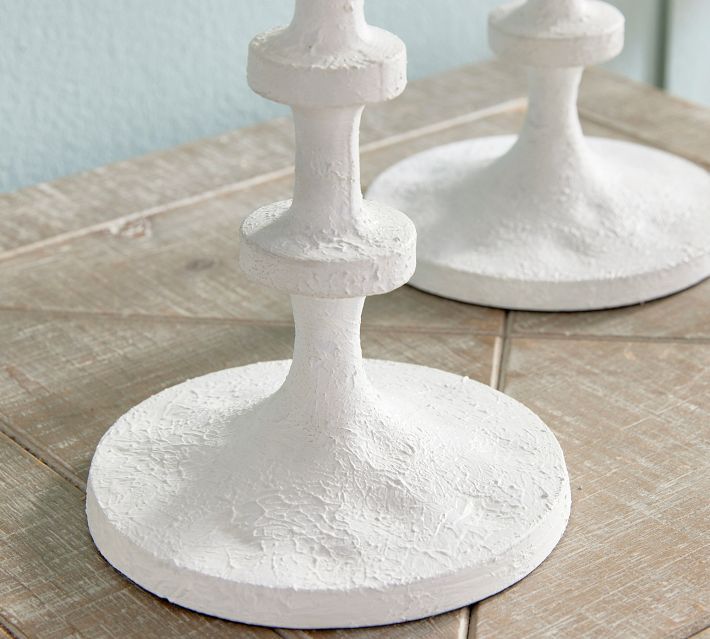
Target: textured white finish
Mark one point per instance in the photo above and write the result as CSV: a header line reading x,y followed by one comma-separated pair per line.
x,y
327,491
487,240
440,491
556,33
551,220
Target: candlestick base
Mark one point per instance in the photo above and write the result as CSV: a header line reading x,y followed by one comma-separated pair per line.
x,y
632,224
447,493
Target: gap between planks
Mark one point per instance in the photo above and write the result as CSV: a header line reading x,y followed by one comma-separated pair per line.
x,y
501,348
9,629
41,454
68,314
464,629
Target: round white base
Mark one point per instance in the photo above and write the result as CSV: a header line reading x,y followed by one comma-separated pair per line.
x,y
634,227
459,493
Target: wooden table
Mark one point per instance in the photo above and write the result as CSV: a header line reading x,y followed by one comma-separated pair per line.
x,y
122,281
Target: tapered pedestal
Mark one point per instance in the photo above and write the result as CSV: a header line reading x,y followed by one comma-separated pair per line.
x,y
614,224
328,491
218,494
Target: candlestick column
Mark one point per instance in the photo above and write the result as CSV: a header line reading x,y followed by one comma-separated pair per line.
x,y
327,491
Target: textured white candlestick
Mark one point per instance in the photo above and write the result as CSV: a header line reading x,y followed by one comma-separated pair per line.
x,y
551,220
330,490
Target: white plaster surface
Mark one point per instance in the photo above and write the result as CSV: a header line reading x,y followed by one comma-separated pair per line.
x,y
339,494
377,258
554,33
216,496
550,221
639,230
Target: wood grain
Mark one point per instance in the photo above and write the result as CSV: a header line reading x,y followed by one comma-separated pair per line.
x,y
180,264
185,264
65,404
53,583
106,193
239,158
66,379
227,162
685,315
509,121
451,625
9,631
634,422
124,280
647,113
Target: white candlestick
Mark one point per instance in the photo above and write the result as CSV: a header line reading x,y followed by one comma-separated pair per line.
x,y
327,491
553,220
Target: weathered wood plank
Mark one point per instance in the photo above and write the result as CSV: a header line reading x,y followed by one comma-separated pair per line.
x,y
156,180
509,122
648,114
53,583
38,450
66,404
378,159
66,379
185,264
5,634
444,96
633,420
72,203
451,625
683,315
70,370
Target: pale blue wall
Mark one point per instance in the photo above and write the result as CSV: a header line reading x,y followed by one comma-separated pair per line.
x,y
88,82
687,71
